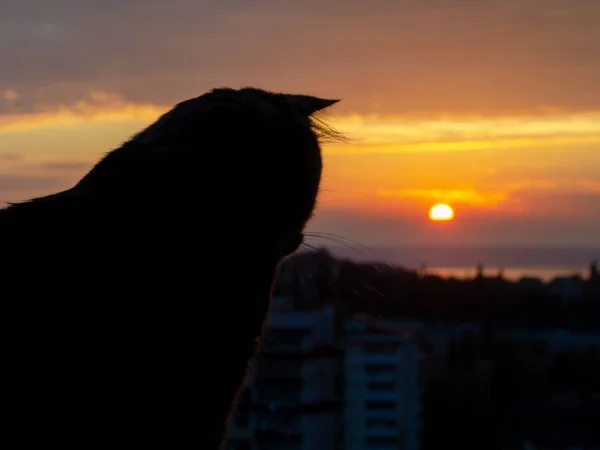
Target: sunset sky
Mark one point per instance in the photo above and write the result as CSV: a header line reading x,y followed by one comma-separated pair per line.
x,y
492,107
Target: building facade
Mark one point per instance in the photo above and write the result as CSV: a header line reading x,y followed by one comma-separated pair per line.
x,y
383,394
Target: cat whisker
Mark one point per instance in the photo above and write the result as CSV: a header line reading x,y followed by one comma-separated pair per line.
x,y
341,242
345,242
305,246
335,236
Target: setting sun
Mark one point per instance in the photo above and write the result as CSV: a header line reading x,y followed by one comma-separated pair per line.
x,y
441,212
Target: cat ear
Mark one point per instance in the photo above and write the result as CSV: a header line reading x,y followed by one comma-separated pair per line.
x,y
308,105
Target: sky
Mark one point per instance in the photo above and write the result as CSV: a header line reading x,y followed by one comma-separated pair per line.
x,y
491,107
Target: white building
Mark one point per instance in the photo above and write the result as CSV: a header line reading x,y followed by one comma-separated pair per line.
x,y
382,398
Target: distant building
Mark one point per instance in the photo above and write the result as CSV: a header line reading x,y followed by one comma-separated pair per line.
x,y
309,278
530,283
594,274
566,288
382,399
557,340
480,271
295,394
316,387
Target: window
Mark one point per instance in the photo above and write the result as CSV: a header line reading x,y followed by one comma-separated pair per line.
x,y
382,440
380,404
339,387
381,386
375,422
382,348
380,368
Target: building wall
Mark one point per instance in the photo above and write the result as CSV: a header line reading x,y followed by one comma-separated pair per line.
x,y
305,396
382,407
295,384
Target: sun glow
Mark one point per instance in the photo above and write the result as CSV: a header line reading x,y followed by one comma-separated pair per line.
x,y
441,212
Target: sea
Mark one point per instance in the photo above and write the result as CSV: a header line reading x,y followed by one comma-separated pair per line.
x,y
461,262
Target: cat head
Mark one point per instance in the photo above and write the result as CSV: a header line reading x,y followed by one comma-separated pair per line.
x,y
248,159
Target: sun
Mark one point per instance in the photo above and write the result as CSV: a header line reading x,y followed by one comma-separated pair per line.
x,y
441,212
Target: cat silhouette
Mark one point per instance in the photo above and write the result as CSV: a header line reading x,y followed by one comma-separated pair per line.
x,y
133,302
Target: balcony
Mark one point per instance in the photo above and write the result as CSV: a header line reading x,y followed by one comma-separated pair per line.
x,y
381,414
380,431
381,396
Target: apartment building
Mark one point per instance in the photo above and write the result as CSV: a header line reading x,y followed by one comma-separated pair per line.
x,y
315,387
382,398
295,389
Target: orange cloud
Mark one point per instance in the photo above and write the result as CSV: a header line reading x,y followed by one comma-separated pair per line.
x,y
377,134
97,106
478,162
367,134
466,196
10,95
586,187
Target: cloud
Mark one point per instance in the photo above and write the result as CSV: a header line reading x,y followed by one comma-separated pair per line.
x,y
10,157
92,106
386,129
66,166
10,95
467,196
534,198
368,134
22,182
381,56
583,187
